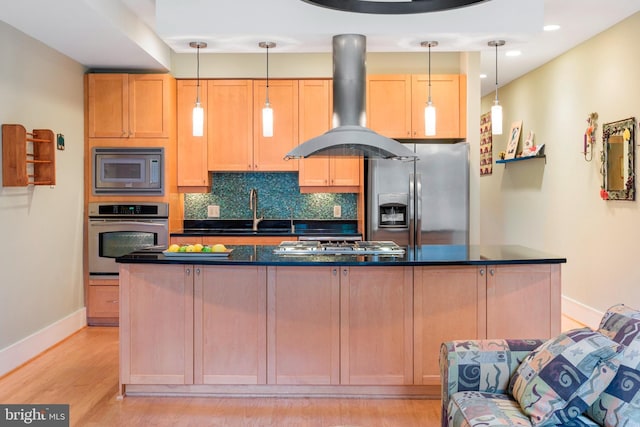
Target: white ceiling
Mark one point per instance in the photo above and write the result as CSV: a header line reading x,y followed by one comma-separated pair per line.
x,y
141,34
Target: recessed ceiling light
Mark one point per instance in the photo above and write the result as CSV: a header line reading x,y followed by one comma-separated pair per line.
x,y
483,76
551,27
513,53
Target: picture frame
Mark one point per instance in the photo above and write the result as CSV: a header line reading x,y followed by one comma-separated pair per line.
x,y
514,139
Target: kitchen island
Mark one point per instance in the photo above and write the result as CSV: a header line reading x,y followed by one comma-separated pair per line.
x,y
258,323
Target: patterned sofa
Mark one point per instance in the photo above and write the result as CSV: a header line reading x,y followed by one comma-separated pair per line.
x,y
580,378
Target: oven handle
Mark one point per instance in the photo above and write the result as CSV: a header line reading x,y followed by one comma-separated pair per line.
x,y
108,223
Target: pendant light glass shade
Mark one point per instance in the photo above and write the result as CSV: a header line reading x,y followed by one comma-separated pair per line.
x,y
496,118
496,109
267,121
198,111
429,109
198,120
430,119
267,111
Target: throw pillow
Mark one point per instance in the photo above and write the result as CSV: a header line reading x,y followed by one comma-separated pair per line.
x,y
560,379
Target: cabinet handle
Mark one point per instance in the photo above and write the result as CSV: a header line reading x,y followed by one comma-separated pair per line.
x,y
491,271
198,271
335,271
188,271
482,271
113,301
345,272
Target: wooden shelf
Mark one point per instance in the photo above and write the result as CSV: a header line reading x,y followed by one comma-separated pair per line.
x,y
28,158
519,159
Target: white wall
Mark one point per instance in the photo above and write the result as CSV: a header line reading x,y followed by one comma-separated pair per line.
x,y
556,207
40,228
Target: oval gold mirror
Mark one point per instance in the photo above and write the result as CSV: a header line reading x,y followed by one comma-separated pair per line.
x,y
618,160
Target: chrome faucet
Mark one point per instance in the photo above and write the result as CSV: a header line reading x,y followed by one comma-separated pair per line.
x,y
253,205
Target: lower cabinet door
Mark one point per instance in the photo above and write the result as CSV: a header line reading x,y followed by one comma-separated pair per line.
x,y
376,325
523,301
103,302
230,325
449,304
303,325
156,324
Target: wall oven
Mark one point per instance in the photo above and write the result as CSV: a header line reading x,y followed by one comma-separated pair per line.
x,y
116,229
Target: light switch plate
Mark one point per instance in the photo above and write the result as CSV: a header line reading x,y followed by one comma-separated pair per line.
x,y
213,211
337,211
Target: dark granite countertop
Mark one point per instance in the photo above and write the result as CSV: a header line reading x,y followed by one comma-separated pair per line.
x,y
242,227
421,255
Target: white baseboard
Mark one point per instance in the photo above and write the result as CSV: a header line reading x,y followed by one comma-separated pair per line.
x,y
26,349
582,313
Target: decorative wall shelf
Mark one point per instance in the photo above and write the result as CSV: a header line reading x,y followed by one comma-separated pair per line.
x,y
28,158
519,159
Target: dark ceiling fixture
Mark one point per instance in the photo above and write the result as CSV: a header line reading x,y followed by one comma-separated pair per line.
x,y
393,7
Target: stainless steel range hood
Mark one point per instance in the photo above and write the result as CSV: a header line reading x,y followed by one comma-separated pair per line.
x,y
350,137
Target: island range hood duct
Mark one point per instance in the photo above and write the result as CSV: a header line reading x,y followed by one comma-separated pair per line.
x,y
349,136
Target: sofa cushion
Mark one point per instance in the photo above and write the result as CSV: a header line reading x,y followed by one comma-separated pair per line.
x,y
474,408
619,404
621,323
560,379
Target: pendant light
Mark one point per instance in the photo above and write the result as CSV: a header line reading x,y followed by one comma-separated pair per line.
x,y
496,109
198,111
429,109
267,111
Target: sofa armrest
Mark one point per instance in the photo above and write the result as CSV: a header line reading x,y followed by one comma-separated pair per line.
x,y
480,365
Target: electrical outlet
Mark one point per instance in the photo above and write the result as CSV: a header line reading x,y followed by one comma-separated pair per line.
x,y
213,211
337,211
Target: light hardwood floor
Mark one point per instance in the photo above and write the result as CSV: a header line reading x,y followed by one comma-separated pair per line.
x,y
82,371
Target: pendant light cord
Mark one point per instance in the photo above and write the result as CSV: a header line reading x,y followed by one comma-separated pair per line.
x,y
267,93
198,74
429,100
496,71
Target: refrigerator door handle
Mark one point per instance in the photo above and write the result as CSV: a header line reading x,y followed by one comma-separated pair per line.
x,y
418,221
411,213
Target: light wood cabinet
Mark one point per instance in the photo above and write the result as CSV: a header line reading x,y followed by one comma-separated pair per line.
x,y
103,302
230,325
129,105
395,105
449,304
192,173
357,330
269,152
376,330
156,324
303,325
534,288
229,125
315,111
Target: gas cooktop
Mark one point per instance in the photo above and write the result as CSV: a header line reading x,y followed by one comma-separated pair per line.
x,y
339,248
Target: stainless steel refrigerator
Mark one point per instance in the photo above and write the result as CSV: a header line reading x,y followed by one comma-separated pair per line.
x,y
420,202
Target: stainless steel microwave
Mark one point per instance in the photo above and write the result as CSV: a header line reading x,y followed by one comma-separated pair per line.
x,y
123,171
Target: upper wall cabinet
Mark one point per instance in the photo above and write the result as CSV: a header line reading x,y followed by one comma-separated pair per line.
x,y
395,105
325,173
229,125
268,153
129,105
234,125
192,150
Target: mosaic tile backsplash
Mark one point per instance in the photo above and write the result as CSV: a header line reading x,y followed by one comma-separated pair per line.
x,y
278,195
